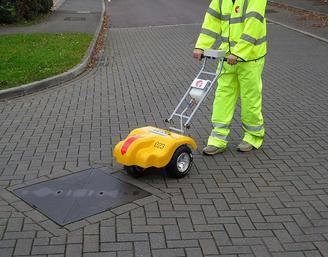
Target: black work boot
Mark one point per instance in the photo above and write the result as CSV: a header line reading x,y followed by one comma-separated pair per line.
x,y
244,147
212,150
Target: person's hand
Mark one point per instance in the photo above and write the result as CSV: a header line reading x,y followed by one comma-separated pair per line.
x,y
232,59
197,54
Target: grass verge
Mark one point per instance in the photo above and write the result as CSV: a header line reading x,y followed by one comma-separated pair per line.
x,y
30,57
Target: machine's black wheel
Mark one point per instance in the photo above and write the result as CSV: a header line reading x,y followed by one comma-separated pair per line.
x,y
134,171
180,163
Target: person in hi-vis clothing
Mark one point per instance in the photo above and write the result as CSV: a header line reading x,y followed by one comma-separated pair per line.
x,y
239,28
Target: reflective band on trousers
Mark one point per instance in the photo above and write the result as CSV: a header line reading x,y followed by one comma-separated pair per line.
x,y
214,134
253,128
220,125
209,33
252,40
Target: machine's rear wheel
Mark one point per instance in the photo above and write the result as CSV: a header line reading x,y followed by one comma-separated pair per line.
x,y
181,162
134,171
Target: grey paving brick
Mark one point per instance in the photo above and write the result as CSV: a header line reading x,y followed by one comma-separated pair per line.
x,y
125,254
234,249
123,226
182,243
185,224
15,224
299,246
90,243
6,252
157,240
116,246
107,234
161,221
75,237
312,253
288,254
258,233
172,232
245,223
209,211
196,235
168,252
73,250
147,229
322,246
19,235
104,254
197,217
246,241
293,228
260,250
283,236
58,240
273,244
142,249
132,237
193,252
23,247
221,238
255,216
48,249
92,229
208,246
233,230
217,227
7,243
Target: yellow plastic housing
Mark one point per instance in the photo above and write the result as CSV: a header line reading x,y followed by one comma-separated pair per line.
x,y
150,147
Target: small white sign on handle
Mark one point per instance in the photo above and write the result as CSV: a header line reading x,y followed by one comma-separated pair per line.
x,y
199,83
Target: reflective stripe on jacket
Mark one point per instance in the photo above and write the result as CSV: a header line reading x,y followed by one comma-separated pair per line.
x,y
238,28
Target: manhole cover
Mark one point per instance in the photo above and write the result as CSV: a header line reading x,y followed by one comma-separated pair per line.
x,y
74,18
74,197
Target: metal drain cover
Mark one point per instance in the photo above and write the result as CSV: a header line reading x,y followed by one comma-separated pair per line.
x,y
73,197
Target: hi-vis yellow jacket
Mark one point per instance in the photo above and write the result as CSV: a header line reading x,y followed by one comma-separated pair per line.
x,y
238,28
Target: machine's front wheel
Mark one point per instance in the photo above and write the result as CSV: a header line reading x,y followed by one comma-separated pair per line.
x,y
181,162
134,171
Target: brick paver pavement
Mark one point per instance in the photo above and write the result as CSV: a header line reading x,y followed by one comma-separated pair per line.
x,y
271,202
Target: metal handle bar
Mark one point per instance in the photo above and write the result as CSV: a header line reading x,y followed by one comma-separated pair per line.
x,y
195,105
203,56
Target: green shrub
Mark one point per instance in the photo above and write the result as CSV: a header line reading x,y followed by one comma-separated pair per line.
x,y
16,10
8,11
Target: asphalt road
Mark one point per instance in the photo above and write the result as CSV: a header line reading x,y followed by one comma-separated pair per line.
x,y
143,13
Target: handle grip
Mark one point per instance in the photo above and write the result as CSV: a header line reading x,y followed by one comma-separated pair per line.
x,y
203,56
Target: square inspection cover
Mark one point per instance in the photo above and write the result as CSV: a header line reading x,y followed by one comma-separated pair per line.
x,y
73,197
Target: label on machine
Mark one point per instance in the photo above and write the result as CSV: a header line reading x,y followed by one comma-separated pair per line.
x,y
199,83
198,89
159,132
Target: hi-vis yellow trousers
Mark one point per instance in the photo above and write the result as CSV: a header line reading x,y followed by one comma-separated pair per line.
x,y
244,80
